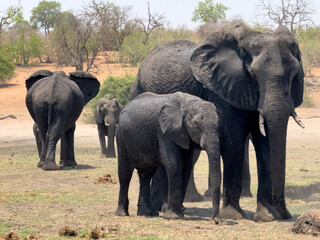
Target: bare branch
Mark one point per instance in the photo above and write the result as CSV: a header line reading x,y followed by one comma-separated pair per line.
x,y
154,21
292,13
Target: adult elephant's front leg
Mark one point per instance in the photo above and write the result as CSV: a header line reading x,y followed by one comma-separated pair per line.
x,y
192,194
232,155
266,210
67,158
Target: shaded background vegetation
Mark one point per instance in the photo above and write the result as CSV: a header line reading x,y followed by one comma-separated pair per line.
x,y
69,38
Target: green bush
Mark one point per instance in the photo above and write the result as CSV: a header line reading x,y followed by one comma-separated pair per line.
x,y
6,67
112,87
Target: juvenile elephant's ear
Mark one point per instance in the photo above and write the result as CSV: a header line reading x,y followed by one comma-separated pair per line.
x,y
217,63
36,76
88,84
98,114
172,125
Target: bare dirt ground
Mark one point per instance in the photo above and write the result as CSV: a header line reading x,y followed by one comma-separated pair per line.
x,y
16,136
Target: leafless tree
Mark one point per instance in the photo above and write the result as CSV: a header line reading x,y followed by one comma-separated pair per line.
x,y
292,13
154,21
76,36
121,24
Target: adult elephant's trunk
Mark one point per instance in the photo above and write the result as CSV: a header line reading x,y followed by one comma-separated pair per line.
x,y
110,149
276,119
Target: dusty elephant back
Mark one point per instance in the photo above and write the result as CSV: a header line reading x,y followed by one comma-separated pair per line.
x,y
159,70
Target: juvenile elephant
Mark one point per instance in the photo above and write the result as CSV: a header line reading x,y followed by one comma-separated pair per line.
x,y
107,118
55,101
157,130
256,81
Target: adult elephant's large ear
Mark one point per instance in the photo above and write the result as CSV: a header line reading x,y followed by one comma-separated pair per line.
x,y
298,85
88,84
218,64
36,76
172,126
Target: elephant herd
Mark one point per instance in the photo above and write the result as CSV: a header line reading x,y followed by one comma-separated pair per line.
x,y
187,97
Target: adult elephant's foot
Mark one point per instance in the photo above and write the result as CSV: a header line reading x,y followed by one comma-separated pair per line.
x,y
208,193
231,212
246,193
110,155
41,163
50,166
122,212
283,211
192,195
143,211
266,213
170,214
68,163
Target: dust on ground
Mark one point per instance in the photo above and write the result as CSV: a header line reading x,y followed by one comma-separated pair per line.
x,y
17,133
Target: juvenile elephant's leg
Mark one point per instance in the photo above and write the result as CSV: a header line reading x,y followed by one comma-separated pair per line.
x,y
173,162
159,188
67,158
144,205
232,161
266,210
192,194
124,175
102,139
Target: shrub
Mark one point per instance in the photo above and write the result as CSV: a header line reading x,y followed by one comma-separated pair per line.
x,y
6,67
112,87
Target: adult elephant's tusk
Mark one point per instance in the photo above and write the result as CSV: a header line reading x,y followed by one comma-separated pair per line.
x,y
261,125
107,124
297,119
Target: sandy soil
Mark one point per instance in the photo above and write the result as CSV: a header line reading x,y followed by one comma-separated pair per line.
x,y
18,132
12,100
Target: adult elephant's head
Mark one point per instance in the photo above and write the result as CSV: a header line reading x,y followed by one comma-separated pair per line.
x,y
256,71
88,84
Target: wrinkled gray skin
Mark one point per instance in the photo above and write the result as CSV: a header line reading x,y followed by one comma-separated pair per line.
x,y
255,81
55,101
157,130
107,117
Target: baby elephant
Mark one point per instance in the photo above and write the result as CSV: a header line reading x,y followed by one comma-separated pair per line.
x,y
107,118
55,101
164,130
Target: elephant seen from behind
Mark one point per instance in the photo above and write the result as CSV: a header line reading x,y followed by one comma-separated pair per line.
x,y
255,80
55,101
156,130
107,117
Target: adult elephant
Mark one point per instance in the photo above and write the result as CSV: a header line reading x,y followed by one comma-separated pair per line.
x,y
255,80
107,117
55,101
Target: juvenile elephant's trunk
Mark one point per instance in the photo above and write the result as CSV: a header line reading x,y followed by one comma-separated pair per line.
x,y
111,134
211,144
